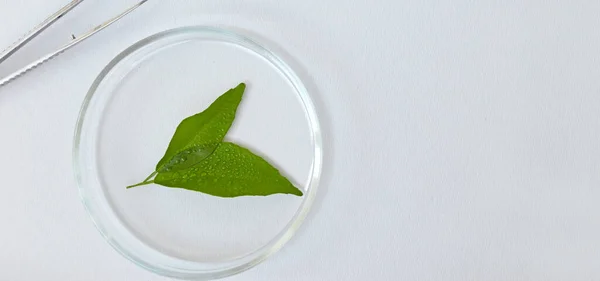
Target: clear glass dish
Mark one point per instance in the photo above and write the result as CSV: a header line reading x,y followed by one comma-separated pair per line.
x,y
127,120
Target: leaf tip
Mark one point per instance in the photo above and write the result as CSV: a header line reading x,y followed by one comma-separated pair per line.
x,y
297,192
241,88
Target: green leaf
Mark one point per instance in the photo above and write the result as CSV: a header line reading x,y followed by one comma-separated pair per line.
x,y
197,158
198,136
230,171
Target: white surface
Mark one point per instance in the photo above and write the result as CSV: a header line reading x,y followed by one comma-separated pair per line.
x,y
462,137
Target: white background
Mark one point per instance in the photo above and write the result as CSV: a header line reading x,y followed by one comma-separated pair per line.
x,y
462,137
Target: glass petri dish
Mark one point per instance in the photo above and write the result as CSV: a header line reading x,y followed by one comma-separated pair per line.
x,y
126,122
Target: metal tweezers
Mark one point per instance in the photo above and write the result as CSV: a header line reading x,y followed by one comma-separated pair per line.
x,y
45,24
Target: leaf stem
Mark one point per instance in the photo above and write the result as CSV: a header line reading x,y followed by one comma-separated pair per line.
x,y
140,184
151,176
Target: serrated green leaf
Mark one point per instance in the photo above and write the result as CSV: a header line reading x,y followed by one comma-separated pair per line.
x,y
230,171
199,135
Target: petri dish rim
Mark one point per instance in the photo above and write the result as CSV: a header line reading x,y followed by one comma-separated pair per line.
x,y
187,269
